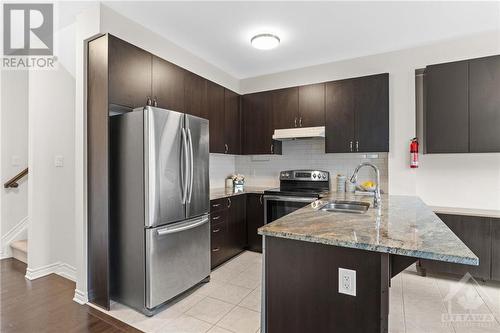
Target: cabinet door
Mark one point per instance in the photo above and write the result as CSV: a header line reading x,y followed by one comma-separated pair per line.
x,y
475,233
215,104
129,74
195,91
285,108
236,222
371,103
168,85
495,250
232,124
257,122
312,105
484,107
255,220
339,117
447,113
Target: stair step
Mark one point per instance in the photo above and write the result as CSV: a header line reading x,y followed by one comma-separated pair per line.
x,y
20,250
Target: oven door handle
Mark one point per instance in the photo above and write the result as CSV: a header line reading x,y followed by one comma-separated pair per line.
x,y
289,198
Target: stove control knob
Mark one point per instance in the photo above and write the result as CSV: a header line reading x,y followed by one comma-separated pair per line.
x,y
314,175
324,176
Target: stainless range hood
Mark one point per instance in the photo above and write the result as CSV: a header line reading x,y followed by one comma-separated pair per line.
x,y
299,133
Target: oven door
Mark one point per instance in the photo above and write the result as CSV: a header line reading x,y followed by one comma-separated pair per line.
x,y
276,206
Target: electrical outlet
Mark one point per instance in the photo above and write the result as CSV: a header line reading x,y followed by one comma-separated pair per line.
x,y
58,161
347,281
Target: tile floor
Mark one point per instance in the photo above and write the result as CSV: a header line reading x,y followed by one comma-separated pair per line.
x,y
231,303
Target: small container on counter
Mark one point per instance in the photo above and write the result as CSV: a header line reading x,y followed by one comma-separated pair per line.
x,y
350,187
340,183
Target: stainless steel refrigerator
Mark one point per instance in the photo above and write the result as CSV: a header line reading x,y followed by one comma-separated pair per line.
x,y
159,194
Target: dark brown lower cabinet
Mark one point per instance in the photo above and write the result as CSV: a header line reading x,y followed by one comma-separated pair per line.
x,y
227,228
255,220
475,232
495,249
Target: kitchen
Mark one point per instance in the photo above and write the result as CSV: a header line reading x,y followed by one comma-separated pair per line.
x,y
295,200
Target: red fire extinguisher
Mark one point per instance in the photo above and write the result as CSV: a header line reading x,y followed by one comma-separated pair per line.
x,y
414,153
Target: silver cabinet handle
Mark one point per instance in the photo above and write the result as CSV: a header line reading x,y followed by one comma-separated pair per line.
x,y
184,171
350,145
215,231
295,122
191,165
226,148
215,218
181,227
300,122
272,149
357,145
216,205
215,249
228,202
260,199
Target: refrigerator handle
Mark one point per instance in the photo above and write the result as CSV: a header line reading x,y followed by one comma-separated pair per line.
x,y
184,171
191,165
183,227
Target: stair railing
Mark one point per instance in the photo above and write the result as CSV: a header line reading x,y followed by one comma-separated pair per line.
x,y
12,183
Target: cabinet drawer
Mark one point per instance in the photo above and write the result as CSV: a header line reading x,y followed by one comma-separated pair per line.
x,y
218,217
218,233
218,204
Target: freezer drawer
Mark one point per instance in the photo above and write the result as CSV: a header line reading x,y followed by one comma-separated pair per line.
x,y
177,258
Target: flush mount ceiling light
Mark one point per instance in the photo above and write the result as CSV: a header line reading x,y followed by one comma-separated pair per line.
x,y
265,41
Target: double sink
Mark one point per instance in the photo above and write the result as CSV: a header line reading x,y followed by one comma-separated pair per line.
x,y
342,206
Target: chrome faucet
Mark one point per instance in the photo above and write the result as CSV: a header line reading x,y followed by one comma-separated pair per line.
x,y
377,200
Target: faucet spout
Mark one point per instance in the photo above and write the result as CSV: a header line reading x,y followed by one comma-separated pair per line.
x,y
377,200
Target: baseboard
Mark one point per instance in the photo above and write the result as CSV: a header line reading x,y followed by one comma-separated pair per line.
x,y
59,268
80,297
11,236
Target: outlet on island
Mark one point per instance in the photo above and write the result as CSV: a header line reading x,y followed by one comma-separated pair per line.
x,y
347,281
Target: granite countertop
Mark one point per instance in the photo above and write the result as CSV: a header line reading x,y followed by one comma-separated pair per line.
x,y
406,226
218,193
466,211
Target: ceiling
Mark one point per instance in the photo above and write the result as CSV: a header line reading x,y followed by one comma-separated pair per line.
x,y
311,33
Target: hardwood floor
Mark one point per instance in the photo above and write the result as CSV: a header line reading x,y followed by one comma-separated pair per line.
x,y
46,305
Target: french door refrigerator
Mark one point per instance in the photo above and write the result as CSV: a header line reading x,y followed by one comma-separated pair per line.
x,y
159,194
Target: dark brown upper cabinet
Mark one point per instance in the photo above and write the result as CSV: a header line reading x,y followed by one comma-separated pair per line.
x,y
129,71
340,132
232,123
446,112
168,85
258,125
357,115
371,104
484,104
195,95
215,104
312,105
285,108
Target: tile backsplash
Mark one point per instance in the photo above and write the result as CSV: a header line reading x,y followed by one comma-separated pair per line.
x,y
263,170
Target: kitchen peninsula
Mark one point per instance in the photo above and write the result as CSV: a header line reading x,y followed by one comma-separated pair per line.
x,y
304,251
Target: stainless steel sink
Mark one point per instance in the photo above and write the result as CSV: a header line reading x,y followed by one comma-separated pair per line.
x,y
354,207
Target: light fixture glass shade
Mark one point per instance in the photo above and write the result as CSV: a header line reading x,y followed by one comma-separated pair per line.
x,y
265,41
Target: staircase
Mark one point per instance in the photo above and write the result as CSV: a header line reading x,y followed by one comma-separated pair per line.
x,y
20,250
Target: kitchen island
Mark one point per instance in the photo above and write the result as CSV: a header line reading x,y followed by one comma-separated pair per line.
x,y
304,250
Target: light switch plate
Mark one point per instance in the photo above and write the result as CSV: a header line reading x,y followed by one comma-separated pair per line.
x,y
347,281
58,161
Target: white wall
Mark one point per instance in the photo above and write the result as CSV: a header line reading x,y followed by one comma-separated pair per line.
x,y
14,144
308,154
467,180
